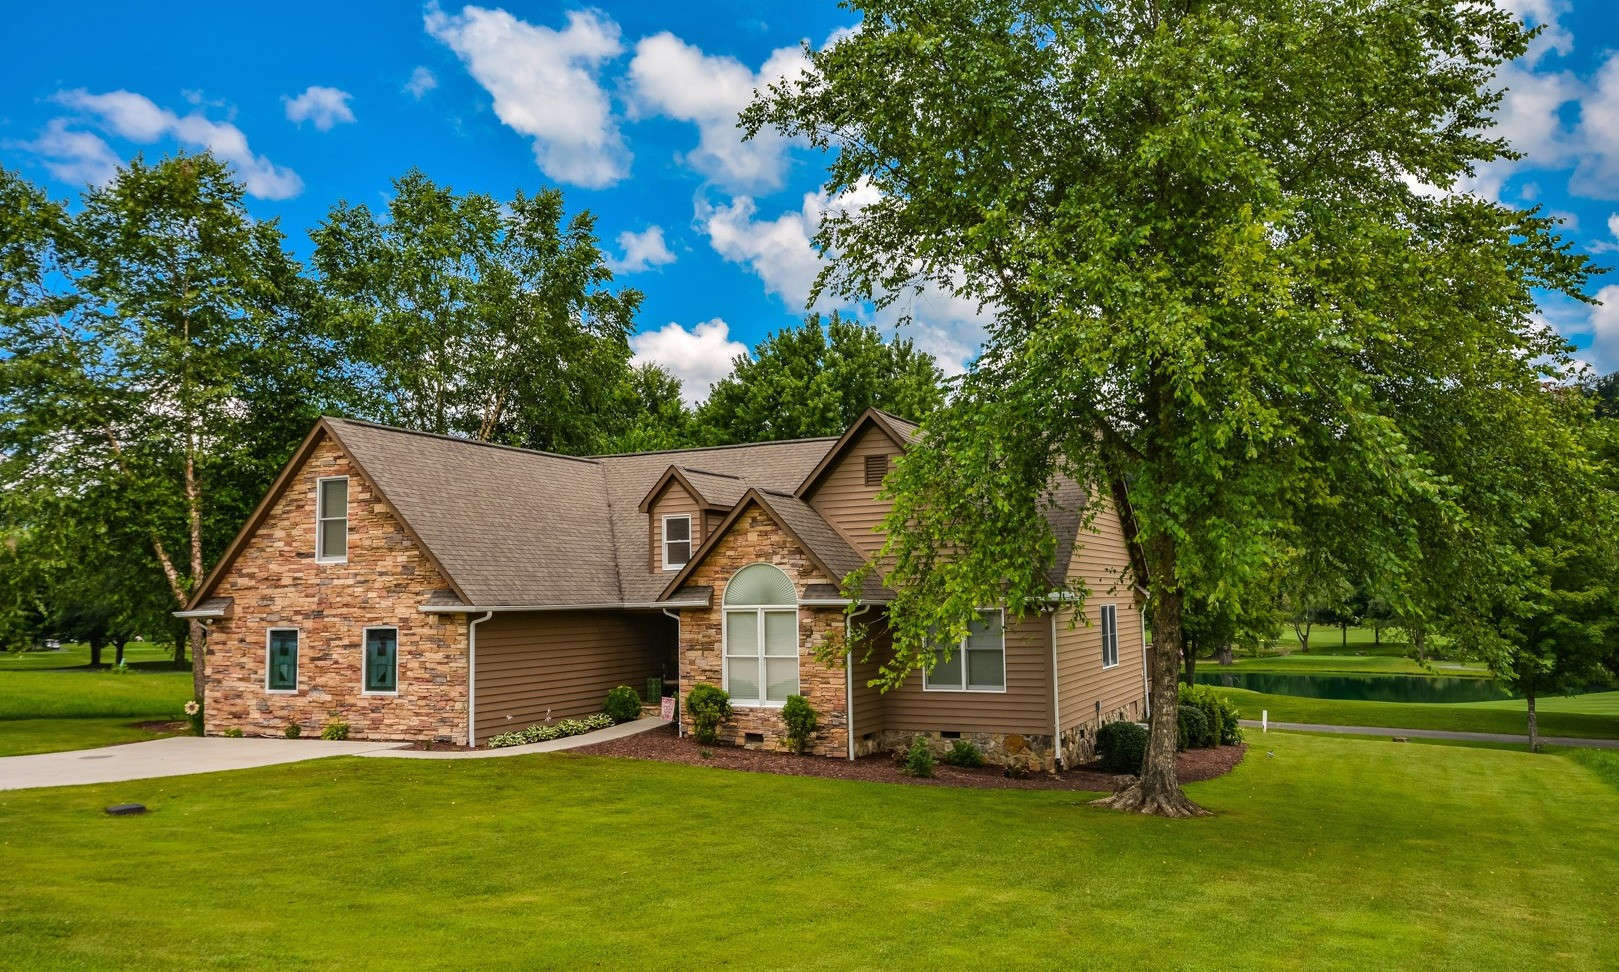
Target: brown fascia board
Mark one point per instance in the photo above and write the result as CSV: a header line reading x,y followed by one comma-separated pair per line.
x,y
872,415
673,473
323,426
752,496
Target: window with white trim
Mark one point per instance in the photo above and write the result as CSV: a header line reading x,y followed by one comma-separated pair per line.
x,y
281,660
676,541
1110,635
381,661
332,519
978,664
761,636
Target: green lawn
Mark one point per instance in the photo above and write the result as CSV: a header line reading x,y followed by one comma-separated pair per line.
x,y
52,701
1333,852
21,736
1335,664
143,655
1584,716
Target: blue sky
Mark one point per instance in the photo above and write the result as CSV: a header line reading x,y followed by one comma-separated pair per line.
x,y
629,107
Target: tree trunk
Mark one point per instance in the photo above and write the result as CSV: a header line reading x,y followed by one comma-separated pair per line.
x,y
1344,628
1534,728
196,634
1157,791
1190,653
118,652
1225,654
95,652
1377,636
1301,629
1419,638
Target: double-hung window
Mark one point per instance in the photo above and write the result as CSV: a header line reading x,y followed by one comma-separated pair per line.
x,y
281,660
676,541
761,636
381,660
1110,635
978,664
332,519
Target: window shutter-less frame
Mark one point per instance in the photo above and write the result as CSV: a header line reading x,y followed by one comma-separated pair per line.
x,y
381,660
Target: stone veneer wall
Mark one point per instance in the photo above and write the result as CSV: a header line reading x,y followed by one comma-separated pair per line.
x,y
1079,741
277,583
999,748
755,538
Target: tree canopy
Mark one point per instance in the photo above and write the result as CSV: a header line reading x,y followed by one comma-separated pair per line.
x,y
1230,290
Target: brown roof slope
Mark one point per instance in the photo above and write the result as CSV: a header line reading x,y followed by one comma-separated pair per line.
x,y
510,526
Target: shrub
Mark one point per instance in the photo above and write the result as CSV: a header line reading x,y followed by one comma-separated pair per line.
x,y
551,730
293,730
335,730
801,722
708,706
919,758
1213,707
623,704
1192,729
233,733
1122,747
963,753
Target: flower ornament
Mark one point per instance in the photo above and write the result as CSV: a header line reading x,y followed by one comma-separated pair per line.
x,y
192,707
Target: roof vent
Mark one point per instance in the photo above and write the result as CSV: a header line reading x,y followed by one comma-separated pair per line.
x,y
876,469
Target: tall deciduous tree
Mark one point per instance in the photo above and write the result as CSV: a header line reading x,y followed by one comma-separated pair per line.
x,y
816,379
152,339
472,317
1220,291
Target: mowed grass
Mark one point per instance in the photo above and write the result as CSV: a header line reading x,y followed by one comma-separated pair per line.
x,y
19,737
1594,716
140,655
52,700
1324,664
1332,852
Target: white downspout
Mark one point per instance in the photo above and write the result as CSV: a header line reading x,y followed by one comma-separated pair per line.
x,y
848,674
1056,697
680,724
472,674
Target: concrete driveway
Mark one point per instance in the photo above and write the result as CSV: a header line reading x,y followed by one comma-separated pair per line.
x,y
174,756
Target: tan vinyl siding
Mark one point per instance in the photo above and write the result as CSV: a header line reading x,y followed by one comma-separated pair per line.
x,y
868,701
673,501
562,663
1099,561
1025,706
844,500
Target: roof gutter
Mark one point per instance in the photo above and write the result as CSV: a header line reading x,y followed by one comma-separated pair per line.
x,y
841,602
201,614
603,606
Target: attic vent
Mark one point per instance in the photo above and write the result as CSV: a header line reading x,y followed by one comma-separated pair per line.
x,y
876,469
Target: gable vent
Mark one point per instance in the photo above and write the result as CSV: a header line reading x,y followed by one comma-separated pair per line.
x,y
876,469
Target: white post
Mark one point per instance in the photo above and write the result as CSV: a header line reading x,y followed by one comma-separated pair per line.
x,y
1264,720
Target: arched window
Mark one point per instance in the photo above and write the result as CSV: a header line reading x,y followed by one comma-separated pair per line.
x,y
761,636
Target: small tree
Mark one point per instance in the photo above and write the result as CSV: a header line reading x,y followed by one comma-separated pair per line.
x,y
801,722
708,706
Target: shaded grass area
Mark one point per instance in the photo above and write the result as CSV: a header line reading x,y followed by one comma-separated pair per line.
x,y
19,737
139,655
92,694
1316,858
1586,717
1603,763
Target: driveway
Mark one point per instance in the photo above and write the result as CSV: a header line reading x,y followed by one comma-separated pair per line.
x,y
174,756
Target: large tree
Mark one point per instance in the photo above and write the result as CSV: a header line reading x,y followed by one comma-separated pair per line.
x,y
816,379
1222,288
469,316
156,360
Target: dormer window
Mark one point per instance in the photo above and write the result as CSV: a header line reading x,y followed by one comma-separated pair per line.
x,y
332,519
876,469
676,541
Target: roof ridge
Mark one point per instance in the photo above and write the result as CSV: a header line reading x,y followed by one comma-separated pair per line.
x,y
709,472
730,445
459,439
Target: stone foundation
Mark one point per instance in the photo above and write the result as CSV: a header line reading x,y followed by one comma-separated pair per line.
x,y
1079,742
999,748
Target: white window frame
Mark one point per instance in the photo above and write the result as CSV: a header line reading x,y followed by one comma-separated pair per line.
x,y
297,660
759,611
691,540
365,657
1110,636
320,490
961,652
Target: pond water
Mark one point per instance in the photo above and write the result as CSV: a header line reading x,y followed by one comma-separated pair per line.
x,y
1373,688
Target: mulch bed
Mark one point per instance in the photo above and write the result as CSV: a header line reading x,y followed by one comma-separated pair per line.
x,y
663,745
161,726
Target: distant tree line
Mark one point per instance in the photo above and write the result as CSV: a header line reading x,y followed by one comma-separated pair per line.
x,y
164,352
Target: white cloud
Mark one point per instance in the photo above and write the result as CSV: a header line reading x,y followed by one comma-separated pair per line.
x,y
320,105
544,84
1605,246
1605,321
641,250
698,357
1549,13
672,78
80,158
421,82
137,118
780,252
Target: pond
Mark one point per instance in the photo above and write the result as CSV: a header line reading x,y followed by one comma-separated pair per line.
x,y
1373,688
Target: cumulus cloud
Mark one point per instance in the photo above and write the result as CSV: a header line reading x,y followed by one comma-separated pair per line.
x,y
81,158
698,357
1548,14
545,85
421,82
674,79
137,118
780,252
322,106
1604,325
641,250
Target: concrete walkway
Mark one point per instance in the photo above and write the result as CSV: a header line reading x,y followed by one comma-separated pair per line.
x,y
568,742
184,755
1496,737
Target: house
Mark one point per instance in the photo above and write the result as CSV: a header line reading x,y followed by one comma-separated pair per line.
x,y
426,587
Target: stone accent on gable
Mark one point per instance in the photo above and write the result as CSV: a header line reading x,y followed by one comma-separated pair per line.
x,y
276,583
755,538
